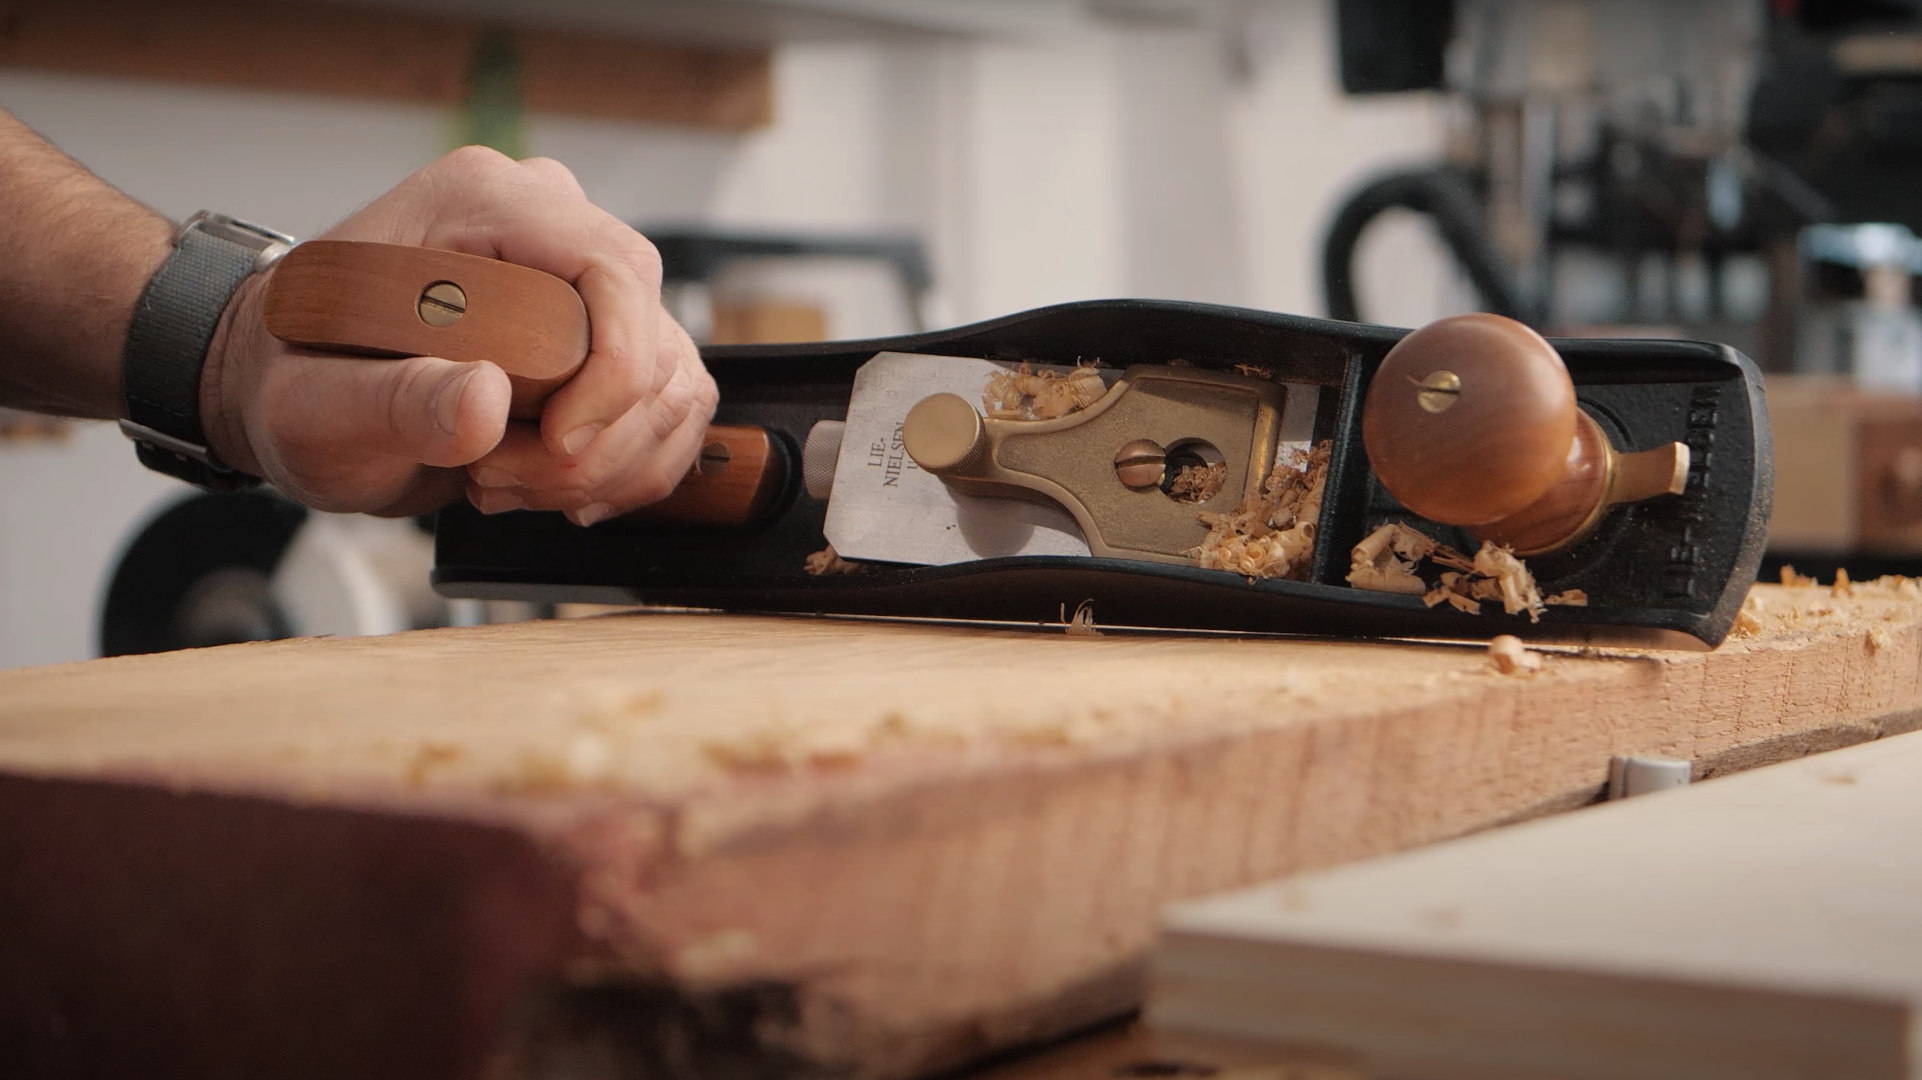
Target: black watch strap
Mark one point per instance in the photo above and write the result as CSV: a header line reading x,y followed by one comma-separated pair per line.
x,y
173,324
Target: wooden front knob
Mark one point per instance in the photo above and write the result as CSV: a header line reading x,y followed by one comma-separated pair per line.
x,y
1472,421
1469,419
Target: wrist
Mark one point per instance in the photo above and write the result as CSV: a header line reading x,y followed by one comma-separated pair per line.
x,y
198,297
225,384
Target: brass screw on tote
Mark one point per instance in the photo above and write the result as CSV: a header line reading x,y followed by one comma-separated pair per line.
x,y
442,304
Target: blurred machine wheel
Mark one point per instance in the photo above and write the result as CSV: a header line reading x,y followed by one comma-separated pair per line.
x,y
219,569
201,573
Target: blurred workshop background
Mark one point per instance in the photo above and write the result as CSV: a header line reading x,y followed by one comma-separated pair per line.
x,y
1740,170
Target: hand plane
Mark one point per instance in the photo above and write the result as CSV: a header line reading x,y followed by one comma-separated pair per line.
x,y
1015,469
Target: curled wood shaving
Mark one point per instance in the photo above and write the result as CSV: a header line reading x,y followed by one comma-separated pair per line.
x,y
1198,483
1027,394
1507,656
1567,598
827,561
1385,560
1081,624
1456,590
1272,533
1518,591
1794,580
1389,558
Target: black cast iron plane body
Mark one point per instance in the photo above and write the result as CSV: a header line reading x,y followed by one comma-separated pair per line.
x,y
1681,563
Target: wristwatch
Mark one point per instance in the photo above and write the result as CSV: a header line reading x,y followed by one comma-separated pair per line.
x,y
173,323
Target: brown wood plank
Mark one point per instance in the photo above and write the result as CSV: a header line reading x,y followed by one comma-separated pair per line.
x,y
780,845
690,85
362,52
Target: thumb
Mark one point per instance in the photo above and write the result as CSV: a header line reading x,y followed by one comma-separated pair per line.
x,y
422,410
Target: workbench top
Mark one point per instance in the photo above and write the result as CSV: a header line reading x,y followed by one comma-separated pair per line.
x,y
874,846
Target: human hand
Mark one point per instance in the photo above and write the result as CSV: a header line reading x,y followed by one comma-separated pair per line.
x,y
403,436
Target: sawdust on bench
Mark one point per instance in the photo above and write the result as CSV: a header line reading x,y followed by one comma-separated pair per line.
x,y
1272,533
1803,603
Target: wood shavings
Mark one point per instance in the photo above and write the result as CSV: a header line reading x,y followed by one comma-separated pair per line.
x,y
828,562
1894,586
1878,639
1841,587
429,757
1567,598
583,765
1507,656
1255,371
1518,589
1198,483
1027,394
1454,589
1794,580
1272,533
1081,624
1385,560
1748,621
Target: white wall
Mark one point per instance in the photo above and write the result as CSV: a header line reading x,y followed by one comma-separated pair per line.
x,y
1133,159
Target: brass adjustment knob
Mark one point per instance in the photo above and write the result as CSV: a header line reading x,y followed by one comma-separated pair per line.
x,y
942,432
1472,421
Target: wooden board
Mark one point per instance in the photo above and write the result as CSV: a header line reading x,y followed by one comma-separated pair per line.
x,y
771,846
1758,927
364,52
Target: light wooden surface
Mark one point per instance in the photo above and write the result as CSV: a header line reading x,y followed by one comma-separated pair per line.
x,y
790,844
1763,926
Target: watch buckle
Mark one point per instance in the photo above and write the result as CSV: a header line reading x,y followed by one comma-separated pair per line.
x,y
160,440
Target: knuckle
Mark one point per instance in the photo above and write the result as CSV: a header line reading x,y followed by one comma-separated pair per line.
x,y
645,260
653,484
627,374
550,171
707,395
591,475
473,160
405,392
689,393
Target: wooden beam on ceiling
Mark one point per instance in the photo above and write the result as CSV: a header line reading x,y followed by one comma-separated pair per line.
x,y
367,53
